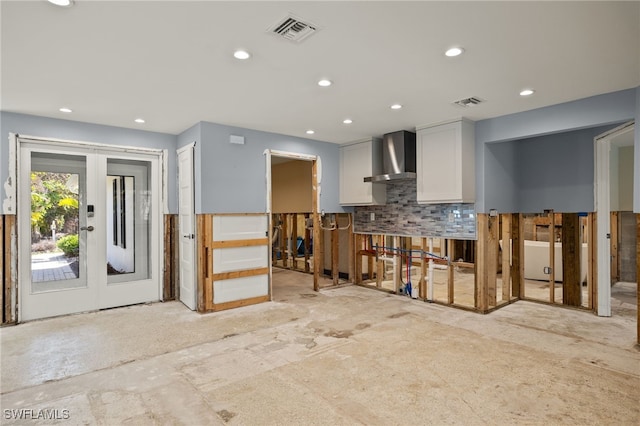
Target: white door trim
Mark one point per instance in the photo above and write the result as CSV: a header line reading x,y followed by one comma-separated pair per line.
x,y
602,199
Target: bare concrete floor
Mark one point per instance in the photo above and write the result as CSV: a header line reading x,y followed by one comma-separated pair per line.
x,y
343,356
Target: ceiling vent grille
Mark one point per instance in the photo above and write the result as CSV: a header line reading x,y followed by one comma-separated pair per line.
x,y
468,102
293,28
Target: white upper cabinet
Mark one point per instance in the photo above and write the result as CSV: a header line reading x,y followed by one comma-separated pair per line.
x,y
445,163
357,161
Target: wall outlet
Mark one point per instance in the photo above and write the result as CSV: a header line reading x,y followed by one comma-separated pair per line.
x,y
372,216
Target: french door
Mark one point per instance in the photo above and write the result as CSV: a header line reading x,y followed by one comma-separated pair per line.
x,y
89,228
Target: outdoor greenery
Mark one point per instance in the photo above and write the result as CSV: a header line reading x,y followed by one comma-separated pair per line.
x,y
69,245
54,199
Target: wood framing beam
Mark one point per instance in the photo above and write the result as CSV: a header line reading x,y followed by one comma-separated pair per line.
x,y
307,244
358,260
239,243
552,256
506,257
370,259
481,263
615,243
284,241
491,257
204,223
517,256
571,247
170,258
317,245
423,269
335,254
450,283
239,303
353,247
240,274
638,272
294,240
592,261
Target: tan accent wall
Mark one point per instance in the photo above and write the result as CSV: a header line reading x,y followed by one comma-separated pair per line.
x,y
291,187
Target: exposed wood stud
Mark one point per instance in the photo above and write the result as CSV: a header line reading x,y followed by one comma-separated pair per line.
x,y
423,269
335,252
450,283
202,256
358,259
481,263
351,238
592,261
317,246
239,243
294,241
307,244
239,303
370,259
552,256
638,273
397,266
169,287
506,257
492,259
284,240
614,242
239,274
517,256
571,276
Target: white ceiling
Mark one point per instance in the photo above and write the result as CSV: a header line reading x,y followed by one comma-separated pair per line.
x,y
171,62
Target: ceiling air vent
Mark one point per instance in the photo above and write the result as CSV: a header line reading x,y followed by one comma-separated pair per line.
x,y
468,102
293,28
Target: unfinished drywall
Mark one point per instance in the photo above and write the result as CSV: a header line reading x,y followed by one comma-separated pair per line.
x,y
291,187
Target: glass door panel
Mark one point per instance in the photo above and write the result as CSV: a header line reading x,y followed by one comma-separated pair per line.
x,y
58,246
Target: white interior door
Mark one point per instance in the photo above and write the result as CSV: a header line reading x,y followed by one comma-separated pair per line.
x,y
186,223
103,209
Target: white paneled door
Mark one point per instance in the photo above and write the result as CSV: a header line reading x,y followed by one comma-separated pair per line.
x,y
89,228
186,224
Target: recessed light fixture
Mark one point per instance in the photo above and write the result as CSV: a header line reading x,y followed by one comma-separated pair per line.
x,y
324,82
454,51
63,3
64,109
310,132
347,121
139,120
396,106
241,54
527,92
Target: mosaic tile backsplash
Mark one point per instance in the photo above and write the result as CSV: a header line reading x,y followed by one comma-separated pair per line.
x,y
402,215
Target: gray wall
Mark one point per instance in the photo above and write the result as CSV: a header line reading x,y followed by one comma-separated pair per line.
x,y
501,163
233,177
30,125
607,109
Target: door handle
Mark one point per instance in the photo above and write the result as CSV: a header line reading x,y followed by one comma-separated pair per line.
x,y
86,228
189,236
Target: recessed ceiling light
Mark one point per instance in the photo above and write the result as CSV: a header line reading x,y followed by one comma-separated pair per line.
x,y
241,54
64,109
527,92
63,3
454,51
347,121
139,120
396,106
310,132
324,83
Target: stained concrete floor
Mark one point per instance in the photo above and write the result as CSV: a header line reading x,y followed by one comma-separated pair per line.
x,y
349,355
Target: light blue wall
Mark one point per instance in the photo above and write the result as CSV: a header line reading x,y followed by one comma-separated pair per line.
x,y
601,110
191,135
233,177
30,125
502,183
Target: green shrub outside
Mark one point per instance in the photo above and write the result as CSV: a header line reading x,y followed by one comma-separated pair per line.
x,y
69,245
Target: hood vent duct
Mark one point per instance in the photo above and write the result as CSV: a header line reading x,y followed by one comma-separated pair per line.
x,y
398,157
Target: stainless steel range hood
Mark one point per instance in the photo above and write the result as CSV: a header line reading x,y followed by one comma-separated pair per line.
x,y
398,157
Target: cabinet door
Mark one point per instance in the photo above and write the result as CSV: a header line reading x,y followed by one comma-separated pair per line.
x,y
355,165
439,164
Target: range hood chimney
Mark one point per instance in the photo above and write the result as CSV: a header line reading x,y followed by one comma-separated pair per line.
x,y
398,157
